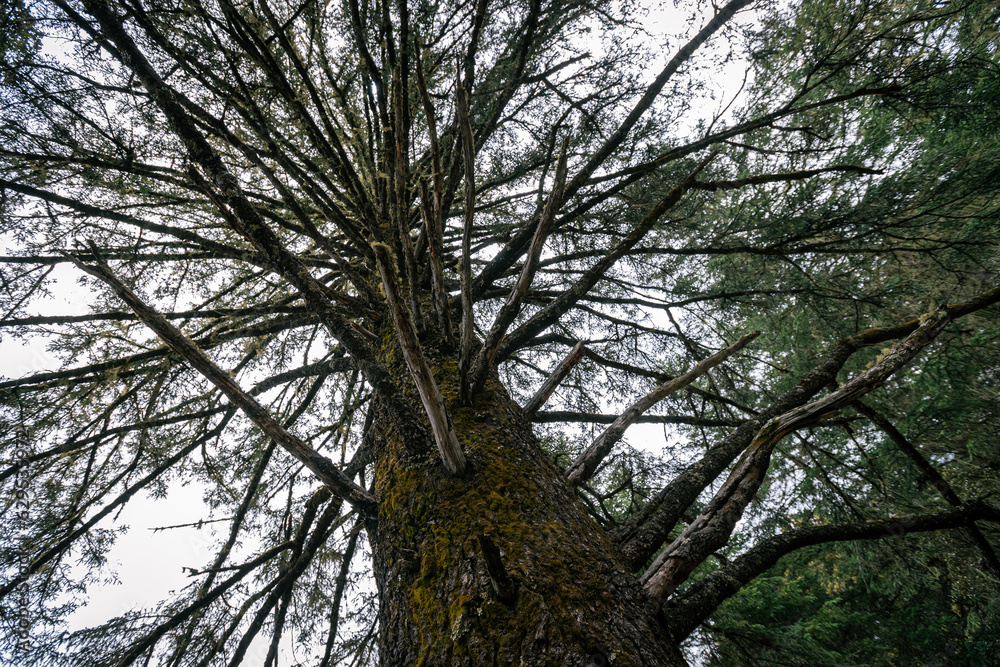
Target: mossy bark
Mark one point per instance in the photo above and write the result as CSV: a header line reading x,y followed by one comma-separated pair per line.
x,y
575,603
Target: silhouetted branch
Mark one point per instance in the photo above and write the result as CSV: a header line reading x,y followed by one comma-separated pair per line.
x,y
587,463
512,305
554,380
179,343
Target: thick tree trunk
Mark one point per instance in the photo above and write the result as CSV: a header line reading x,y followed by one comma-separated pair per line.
x,y
559,595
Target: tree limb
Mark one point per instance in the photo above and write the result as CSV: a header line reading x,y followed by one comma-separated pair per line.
x,y
711,530
179,343
689,609
554,380
444,435
645,532
582,469
469,160
512,306
935,478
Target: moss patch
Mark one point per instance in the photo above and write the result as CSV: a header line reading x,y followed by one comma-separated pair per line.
x,y
557,555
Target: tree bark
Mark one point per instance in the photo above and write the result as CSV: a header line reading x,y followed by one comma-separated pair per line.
x,y
501,566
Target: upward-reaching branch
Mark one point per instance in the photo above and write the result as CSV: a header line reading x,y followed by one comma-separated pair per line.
x,y
512,306
249,223
653,90
587,463
431,208
517,245
399,168
469,156
444,434
551,313
553,380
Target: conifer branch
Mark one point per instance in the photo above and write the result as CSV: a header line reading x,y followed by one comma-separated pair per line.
x,y
469,159
554,380
512,306
644,533
444,435
587,463
689,609
711,530
324,469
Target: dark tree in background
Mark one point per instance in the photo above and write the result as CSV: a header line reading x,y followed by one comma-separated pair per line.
x,y
389,280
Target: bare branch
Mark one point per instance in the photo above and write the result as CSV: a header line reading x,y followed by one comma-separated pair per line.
x,y
431,208
554,380
430,395
551,313
582,469
645,532
247,221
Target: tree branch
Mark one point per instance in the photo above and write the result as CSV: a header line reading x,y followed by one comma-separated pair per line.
x,y
433,215
552,416
179,343
247,221
512,306
713,527
444,435
585,466
551,313
688,610
554,380
645,532
516,246
935,478
761,179
469,159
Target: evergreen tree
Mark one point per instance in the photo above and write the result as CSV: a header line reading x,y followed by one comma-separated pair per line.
x,y
391,280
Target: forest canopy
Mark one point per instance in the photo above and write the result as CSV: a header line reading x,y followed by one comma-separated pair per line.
x,y
393,284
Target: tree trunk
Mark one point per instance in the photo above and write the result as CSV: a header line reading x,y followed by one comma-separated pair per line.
x,y
552,591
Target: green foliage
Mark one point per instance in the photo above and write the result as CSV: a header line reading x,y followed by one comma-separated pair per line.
x,y
19,41
861,605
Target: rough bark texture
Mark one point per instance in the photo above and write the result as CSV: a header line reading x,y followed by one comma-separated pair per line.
x,y
574,602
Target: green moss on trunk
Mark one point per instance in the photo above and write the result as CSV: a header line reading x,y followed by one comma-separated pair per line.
x,y
576,603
